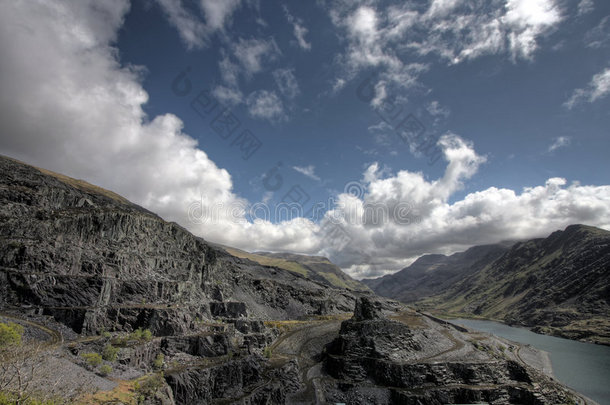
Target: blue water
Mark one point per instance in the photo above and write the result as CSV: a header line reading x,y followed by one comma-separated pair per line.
x,y
584,367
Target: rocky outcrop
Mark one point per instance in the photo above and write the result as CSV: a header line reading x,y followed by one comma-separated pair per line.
x,y
363,361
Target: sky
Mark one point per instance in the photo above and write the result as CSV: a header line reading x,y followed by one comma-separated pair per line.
x,y
371,132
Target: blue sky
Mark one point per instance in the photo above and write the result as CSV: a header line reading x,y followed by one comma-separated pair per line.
x,y
506,107
512,110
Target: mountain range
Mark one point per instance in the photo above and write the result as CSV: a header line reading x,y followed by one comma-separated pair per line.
x,y
557,285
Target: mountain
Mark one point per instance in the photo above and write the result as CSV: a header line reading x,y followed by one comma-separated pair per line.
x,y
316,268
433,274
116,305
557,285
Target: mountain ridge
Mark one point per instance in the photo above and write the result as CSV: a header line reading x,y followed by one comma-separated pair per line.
x,y
557,285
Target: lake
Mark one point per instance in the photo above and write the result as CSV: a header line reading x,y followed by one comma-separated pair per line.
x,y
584,367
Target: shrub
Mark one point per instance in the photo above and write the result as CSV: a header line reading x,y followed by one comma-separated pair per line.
x,y
10,334
149,386
267,352
158,362
110,352
105,369
147,335
93,359
136,334
140,334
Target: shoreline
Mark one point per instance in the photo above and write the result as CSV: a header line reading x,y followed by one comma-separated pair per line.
x,y
534,329
531,356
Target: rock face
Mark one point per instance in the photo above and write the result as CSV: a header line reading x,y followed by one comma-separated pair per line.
x,y
97,274
94,261
558,285
363,359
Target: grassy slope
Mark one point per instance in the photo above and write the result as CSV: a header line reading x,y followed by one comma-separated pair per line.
x,y
308,266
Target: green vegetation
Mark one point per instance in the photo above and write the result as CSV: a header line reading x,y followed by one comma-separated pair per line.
x,y
105,369
10,334
8,398
267,352
270,261
335,280
148,387
105,334
93,359
159,361
141,334
110,352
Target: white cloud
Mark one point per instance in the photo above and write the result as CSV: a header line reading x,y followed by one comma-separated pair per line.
x,y
228,96
192,30
68,105
560,142
266,105
217,12
585,7
598,88
308,171
528,19
229,71
299,29
286,82
253,53
394,38
383,133
435,109
599,36
423,219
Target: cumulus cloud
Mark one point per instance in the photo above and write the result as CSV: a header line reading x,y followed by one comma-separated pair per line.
x,y
266,105
309,171
393,219
599,87
69,105
560,142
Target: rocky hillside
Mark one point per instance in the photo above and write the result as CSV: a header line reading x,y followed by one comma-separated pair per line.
x,y
433,274
117,305
558,285
316,268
